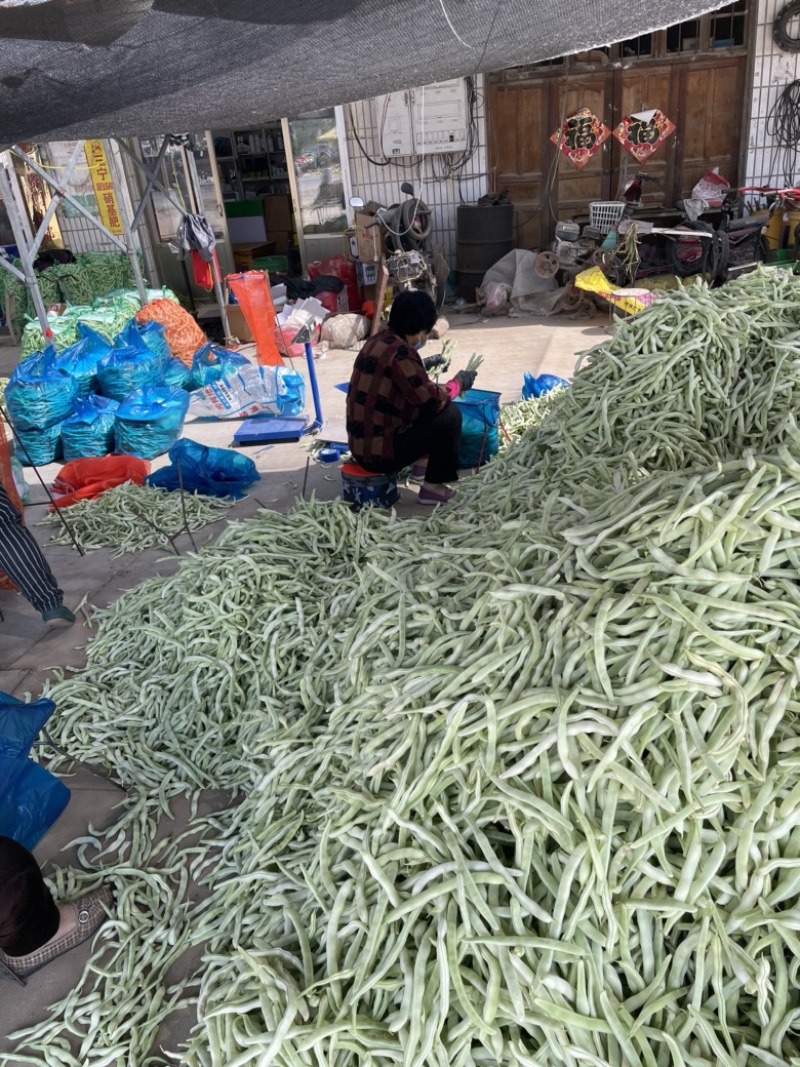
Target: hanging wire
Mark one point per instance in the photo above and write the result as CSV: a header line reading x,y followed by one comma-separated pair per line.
x,y
783,125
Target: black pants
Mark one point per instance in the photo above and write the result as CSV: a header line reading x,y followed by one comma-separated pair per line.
x,y
22,560
437,438
28,914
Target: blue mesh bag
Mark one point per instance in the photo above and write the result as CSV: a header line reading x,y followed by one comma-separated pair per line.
x,y
211,363
535,386
80,360
150,335
89,430
127,368
31,798
37,447
176,374
150,421
38,394
210,471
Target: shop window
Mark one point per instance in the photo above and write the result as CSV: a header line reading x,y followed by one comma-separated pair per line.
x,y
728,26
173,174
637,46
685,37
318,172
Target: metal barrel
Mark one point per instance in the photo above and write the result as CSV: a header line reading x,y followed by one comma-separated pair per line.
x,y
484,234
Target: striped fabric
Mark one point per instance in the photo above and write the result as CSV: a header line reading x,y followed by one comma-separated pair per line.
x,y
22,559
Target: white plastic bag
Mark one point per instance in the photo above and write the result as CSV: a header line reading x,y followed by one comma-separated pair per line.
x,y
345,331
251,391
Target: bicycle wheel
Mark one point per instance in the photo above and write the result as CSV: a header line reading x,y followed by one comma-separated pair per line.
x,y
690,255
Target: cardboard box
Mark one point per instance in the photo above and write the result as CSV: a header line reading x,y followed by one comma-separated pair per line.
x,y
278,213
282,240
368,236
236,321
244,254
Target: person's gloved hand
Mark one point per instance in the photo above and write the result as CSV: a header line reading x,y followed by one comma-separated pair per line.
x,y
465,379
432,362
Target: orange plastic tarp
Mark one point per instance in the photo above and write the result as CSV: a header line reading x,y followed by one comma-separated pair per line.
x,y
85,479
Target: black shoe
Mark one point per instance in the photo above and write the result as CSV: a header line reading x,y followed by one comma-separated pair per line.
x,y
58,616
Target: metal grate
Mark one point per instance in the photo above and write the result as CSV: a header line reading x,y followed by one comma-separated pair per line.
x,y
430,175
772,71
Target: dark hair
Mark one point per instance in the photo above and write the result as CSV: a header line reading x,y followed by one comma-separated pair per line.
x,y
411,313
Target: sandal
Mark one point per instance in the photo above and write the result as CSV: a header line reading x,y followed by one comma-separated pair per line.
x,y
90,914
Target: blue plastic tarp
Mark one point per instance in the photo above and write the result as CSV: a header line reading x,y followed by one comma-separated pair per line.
x,y
31,798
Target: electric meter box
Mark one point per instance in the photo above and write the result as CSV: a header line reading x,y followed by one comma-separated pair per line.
x,y
433,119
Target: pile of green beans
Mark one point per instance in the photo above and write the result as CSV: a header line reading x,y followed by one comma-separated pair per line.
x,y
692,380
130,518
514,784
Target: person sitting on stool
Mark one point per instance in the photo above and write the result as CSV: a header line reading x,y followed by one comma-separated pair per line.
x,y
33,929
397,416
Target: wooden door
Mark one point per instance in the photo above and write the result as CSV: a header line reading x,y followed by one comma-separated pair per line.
x,y
542,183
710,131
703,96
644,89
518,148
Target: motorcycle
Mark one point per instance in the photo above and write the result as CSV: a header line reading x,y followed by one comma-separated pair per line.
x,y
406,229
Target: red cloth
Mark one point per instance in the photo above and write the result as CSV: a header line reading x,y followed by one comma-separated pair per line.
x,y
389,390
203,278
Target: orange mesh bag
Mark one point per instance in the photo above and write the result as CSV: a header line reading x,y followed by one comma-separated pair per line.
x,y
183,334
253,297
7,481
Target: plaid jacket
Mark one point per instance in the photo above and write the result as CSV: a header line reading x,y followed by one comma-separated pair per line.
x,y
389,389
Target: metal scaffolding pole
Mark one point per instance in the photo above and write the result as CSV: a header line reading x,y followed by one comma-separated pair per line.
x,y
153,182
27,275
117,178
198,196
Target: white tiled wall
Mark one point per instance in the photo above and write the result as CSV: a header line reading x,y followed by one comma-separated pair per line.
x,y
773,69
382,184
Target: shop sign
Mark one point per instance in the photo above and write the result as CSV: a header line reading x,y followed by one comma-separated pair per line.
x,y
99,169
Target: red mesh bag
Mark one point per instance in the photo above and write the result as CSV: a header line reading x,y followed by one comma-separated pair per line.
x,y
253,297
183,334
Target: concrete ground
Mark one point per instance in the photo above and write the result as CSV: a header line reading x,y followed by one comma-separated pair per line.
x,y
28,652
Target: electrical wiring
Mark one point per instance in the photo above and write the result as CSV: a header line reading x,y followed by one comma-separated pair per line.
x,y
783,125
449,166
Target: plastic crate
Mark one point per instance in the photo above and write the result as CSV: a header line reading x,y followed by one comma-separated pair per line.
x,y
605,214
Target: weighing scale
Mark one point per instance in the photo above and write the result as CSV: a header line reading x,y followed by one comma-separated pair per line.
x,y
264,429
